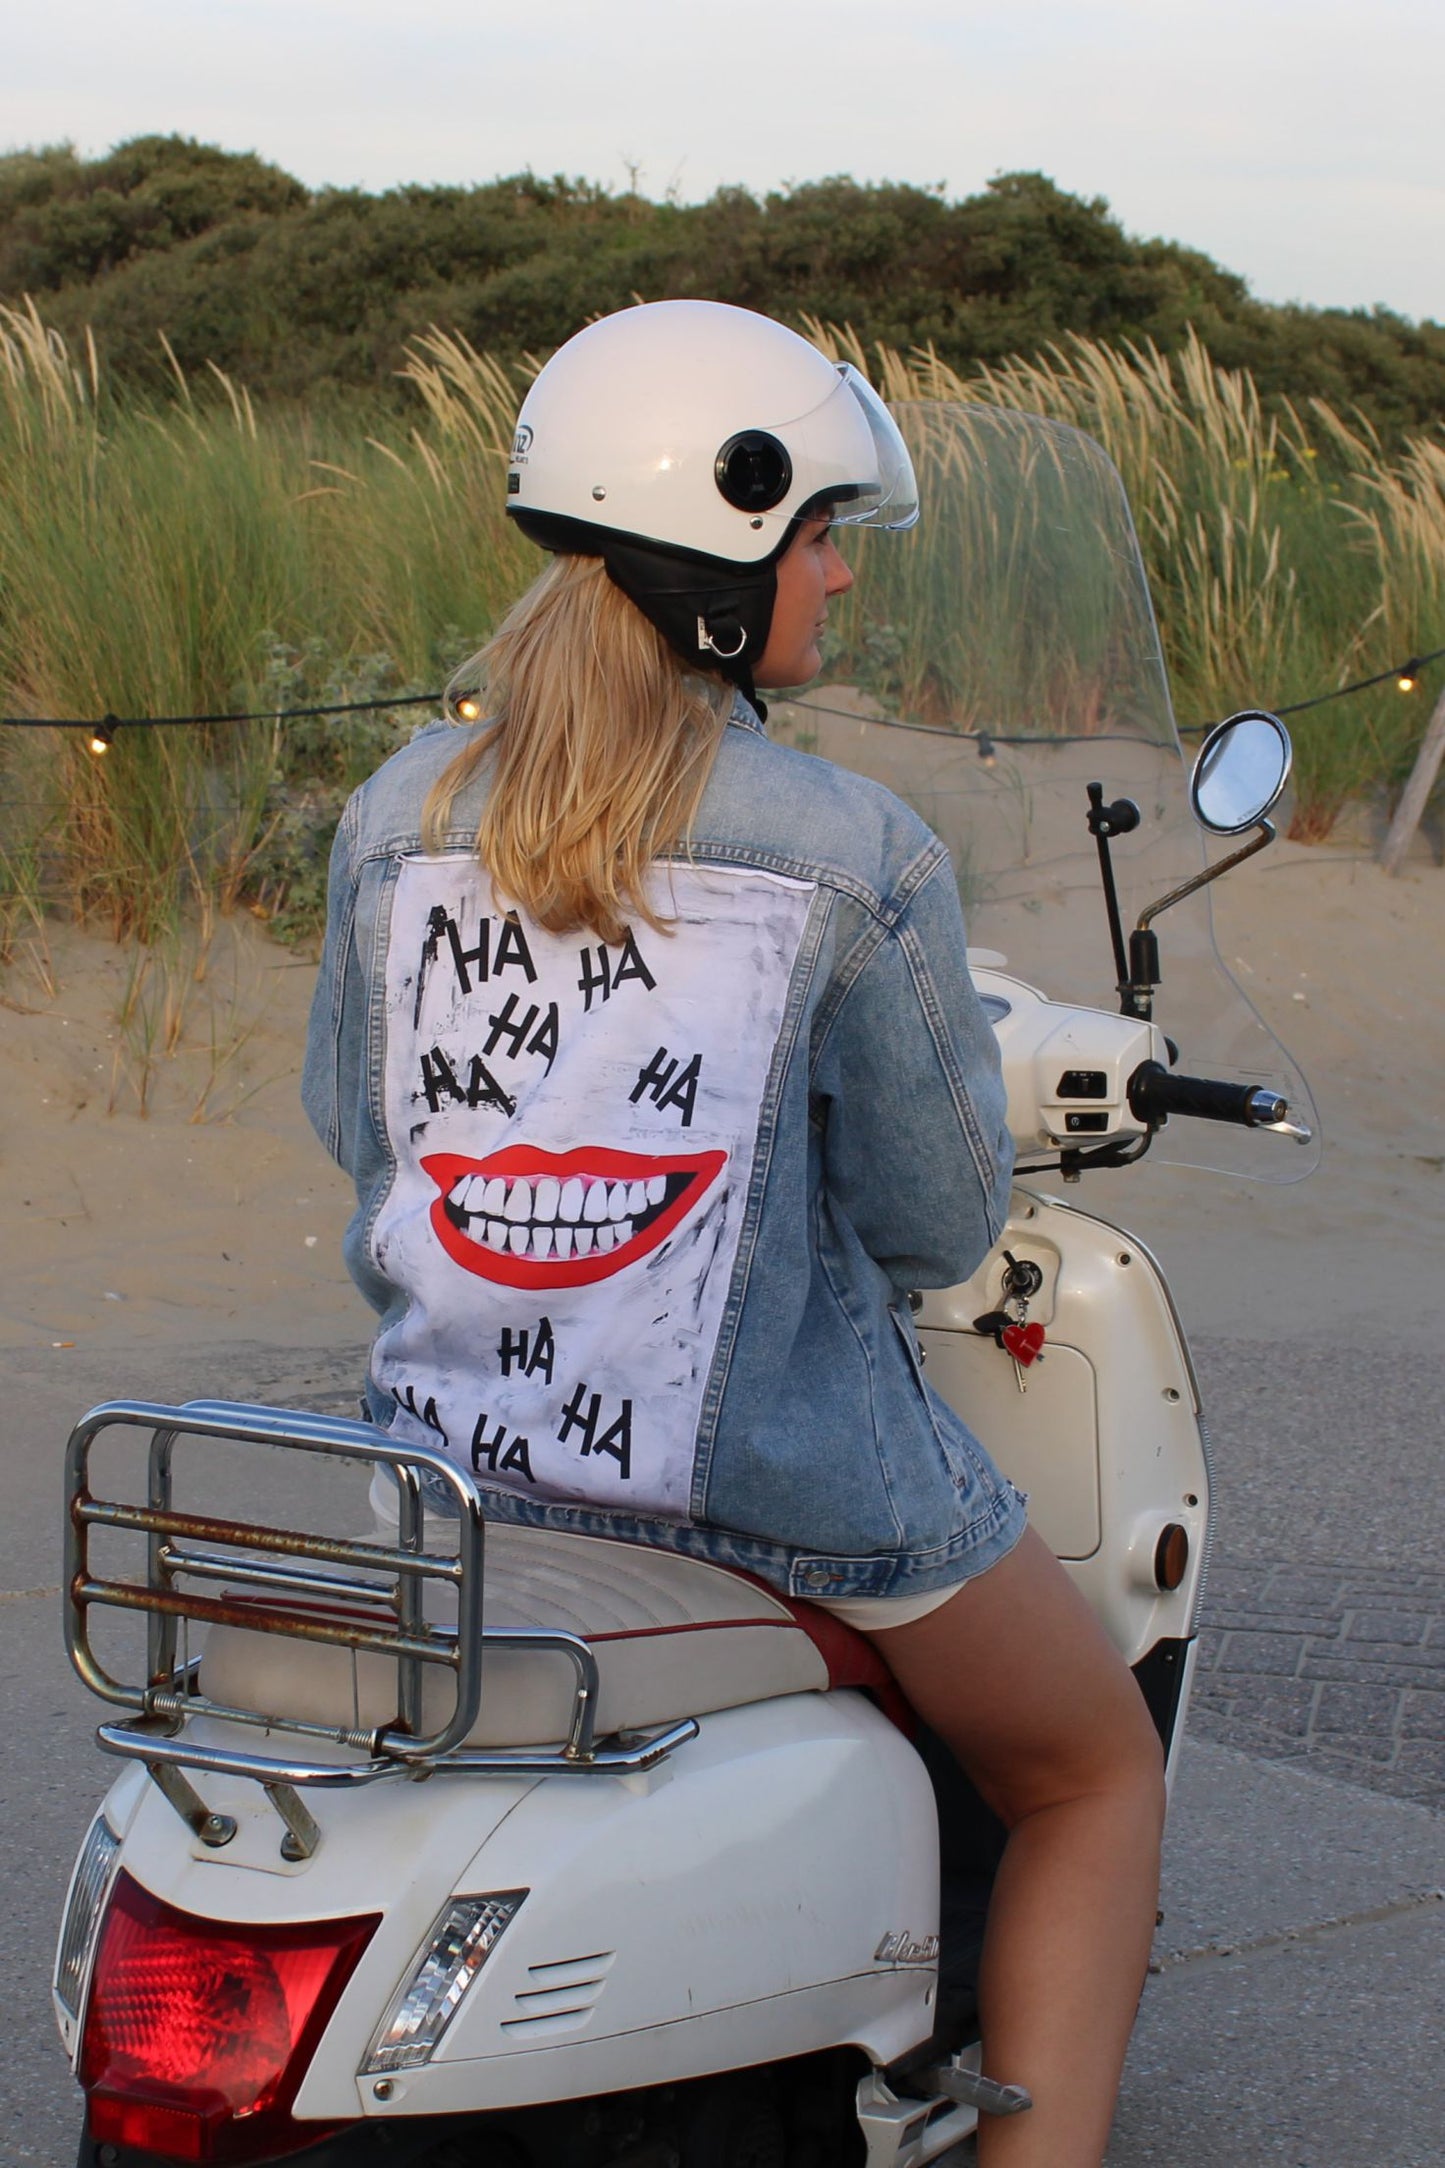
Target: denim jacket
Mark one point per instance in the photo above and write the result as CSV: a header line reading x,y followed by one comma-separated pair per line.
x,y
640,1223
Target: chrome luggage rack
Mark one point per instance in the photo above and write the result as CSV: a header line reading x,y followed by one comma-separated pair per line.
x,y
187,1548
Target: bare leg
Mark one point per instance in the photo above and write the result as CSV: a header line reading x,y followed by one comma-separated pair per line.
x,y
1020,1681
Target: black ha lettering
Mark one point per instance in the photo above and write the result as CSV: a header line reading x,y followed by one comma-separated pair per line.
x,y
669,1084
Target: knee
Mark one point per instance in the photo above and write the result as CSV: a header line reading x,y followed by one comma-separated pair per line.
x,y
1116,1759
1130,1764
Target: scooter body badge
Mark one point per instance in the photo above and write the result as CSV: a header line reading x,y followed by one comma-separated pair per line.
x,y
906,1949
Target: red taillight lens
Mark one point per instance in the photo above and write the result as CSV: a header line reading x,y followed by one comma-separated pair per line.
x,y
199,2032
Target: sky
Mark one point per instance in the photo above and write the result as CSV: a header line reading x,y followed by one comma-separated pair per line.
x,y
1296,144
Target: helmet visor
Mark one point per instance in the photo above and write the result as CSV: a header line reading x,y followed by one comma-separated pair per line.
x,y
846,461
893,500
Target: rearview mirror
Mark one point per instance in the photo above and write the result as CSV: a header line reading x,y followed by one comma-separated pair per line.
x,y
1243,766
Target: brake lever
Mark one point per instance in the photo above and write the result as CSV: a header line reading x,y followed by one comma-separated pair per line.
x,y
1296,1130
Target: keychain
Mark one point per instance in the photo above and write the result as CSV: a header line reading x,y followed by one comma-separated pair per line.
x,y
1009,1328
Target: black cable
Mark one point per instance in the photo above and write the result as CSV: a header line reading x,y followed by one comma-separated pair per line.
x,y
984,738
166,722
1409,669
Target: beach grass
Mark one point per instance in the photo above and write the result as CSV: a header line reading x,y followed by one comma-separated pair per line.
x,y
201,557
200,554
1287,553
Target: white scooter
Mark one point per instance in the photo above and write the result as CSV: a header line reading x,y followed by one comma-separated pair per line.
x,y
550,1850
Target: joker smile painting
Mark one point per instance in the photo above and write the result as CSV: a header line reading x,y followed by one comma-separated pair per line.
x,y
568,1291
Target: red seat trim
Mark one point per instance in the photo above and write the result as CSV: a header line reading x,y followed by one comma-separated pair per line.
x,y
852,1659
691,1626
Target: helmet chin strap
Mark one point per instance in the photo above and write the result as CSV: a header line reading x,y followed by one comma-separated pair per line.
x,y
713,613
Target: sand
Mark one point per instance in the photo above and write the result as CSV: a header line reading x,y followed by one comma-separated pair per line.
x,y
217,1217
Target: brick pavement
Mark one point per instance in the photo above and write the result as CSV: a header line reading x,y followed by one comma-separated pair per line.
x,y
1339,1667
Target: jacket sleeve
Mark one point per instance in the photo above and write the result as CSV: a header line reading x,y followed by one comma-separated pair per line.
x,y
338,1010
909,1092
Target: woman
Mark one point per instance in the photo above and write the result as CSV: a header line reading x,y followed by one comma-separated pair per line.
x,y
652,1049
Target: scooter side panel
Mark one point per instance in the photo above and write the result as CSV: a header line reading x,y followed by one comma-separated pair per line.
x,y
1117,1414
392,1847
726,1908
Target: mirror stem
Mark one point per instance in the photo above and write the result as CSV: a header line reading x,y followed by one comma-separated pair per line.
x,y
1264,835
1136,992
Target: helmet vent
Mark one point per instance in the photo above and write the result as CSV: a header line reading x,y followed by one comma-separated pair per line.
x,y
754,472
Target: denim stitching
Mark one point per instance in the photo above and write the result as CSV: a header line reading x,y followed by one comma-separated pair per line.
x,y
376,1057
848,1319
928,1001
715,1390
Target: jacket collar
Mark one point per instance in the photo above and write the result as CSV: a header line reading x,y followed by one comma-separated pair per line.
x,y
746,716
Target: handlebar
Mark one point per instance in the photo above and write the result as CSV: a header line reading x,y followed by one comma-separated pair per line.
x,y
1155,1093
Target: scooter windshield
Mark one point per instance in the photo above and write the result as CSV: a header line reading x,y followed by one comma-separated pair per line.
x,y
990,664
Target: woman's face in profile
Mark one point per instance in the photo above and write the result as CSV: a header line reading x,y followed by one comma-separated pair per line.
x,y
809,571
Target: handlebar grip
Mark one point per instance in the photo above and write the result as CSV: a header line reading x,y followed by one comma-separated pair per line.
x,y
1155,1093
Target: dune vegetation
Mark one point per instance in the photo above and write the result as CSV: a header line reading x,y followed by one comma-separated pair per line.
x,y
195,552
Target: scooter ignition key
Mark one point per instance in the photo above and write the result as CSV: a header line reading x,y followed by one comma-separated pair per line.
x,y
1023,1278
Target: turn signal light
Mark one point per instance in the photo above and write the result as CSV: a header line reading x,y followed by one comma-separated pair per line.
x,y
1171,1557
460,1944
199,2032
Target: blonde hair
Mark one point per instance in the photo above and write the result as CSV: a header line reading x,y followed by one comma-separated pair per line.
x,y
600,744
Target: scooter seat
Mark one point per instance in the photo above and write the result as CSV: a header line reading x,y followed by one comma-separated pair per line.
x,y
673,1637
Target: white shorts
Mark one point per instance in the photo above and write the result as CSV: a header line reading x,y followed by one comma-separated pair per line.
x,y
875,1614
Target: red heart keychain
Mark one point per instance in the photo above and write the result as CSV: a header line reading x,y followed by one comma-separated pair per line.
x,y
1024,1343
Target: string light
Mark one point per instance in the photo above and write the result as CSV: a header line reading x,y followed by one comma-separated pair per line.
x,y
1405,675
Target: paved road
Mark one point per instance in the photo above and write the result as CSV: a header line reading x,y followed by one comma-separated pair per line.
x,y
1331,1666
1301,1975
1325,1609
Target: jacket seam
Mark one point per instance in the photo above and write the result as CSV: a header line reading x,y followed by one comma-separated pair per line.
x,y
376,1035
927,995
869,1365
765,1138
887,911
346,934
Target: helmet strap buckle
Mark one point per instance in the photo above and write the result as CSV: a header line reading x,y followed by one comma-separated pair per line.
x,y
707,645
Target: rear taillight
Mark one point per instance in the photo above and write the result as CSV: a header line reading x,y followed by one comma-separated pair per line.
x,y
198,2032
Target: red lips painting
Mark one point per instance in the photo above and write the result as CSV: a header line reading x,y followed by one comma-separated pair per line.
x,y
529,1218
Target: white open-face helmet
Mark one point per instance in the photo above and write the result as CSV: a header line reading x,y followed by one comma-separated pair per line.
x,y
681,442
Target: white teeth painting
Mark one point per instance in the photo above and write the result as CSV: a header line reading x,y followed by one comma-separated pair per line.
x,y
572,1143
